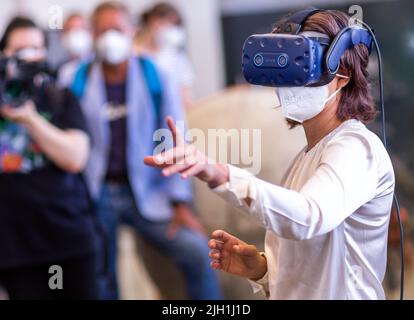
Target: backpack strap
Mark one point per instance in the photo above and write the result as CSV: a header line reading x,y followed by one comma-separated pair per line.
x,y
81,78
154,86
151,75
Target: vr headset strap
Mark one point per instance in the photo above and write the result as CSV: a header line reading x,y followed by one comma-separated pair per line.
x,y
347,38
294,23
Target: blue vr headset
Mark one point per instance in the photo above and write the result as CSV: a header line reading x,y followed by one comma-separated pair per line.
x,y
290,59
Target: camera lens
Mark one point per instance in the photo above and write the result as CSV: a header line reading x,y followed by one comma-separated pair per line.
x,y
258,60
282,61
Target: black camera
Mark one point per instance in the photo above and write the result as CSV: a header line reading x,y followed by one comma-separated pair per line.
x,y
20,80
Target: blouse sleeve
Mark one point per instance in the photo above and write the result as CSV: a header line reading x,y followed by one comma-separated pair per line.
x,y
345,179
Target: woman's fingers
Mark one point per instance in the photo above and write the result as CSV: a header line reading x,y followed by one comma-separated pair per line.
x,y
214,254
177,135
171,170
215,265
180,159
172,156
153,162
221,235
167,158
179,155
217,235
214,244
193,170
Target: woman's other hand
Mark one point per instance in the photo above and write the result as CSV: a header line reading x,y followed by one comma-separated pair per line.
x,y
234,256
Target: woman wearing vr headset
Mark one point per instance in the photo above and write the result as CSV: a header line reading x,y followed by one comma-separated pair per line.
x,y
327,222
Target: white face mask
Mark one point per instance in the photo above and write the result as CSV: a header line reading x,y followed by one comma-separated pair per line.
x,y
113,47
172,38
31,54
304,103
78,42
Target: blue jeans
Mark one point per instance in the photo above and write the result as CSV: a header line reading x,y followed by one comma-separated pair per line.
x,y
188,249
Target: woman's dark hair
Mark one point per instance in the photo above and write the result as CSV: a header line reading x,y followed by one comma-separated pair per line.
x,y
161,10
356,101
14,24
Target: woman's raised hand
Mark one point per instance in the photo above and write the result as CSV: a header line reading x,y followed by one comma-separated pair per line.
x,y
187,160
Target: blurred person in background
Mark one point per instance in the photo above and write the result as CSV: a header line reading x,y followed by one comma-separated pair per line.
x,y
327,224
394,250
77,43
163,37
45,211
124,97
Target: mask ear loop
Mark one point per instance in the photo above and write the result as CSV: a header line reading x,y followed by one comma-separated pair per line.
x,y
337,91
280,104
342,76
332,95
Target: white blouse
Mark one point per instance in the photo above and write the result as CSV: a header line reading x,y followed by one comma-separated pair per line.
x,y
327,226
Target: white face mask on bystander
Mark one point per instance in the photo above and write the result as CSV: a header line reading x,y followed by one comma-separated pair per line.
x,y
31,54
171,38
304,103
113,47
78,42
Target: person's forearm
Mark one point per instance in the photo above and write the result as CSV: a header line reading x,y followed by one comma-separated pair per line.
x,y
66,149
297,215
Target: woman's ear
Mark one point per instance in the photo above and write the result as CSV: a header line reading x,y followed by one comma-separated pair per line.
x,y
342,77
342,82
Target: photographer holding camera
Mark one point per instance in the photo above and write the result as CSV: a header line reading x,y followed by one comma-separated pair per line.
x,y
45,213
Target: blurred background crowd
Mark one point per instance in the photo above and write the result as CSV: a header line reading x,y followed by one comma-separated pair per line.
x,y
180,58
